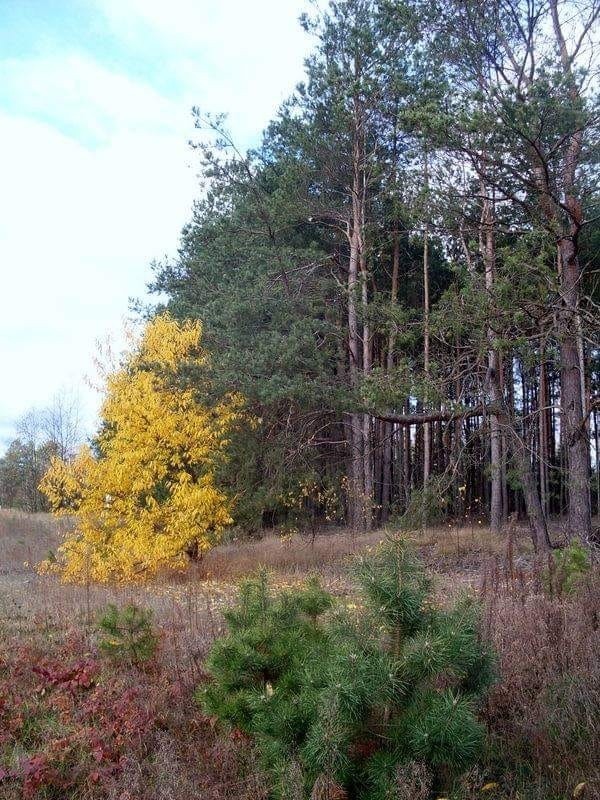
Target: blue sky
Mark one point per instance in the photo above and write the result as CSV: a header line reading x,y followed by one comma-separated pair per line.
x,y
97,176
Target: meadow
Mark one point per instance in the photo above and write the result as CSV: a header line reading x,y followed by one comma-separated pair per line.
x,y
75,723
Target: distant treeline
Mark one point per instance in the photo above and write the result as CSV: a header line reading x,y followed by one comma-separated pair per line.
x,y
41,434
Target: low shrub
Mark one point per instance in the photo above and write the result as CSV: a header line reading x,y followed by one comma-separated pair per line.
x,y
567,569
127,634
342,701
63,726
76,727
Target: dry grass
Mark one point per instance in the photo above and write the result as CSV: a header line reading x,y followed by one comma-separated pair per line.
x,y
454,553
295,556
542,716
183,756
26,538
186,611
544,712
188,605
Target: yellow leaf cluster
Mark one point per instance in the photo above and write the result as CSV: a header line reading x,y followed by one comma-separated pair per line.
x,y
64,482
151,495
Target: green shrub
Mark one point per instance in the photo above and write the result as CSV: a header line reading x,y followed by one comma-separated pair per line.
x,y
567,568
348,697
127,634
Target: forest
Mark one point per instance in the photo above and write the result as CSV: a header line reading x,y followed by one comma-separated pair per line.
x,y
336,533
402,279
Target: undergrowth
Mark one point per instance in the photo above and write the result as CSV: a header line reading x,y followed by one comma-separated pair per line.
x,y
75,725
82,722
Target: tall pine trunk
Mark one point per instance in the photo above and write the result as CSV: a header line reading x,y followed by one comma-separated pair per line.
x,y
579,520
488,252
366,417
356,478
360,495
520,456
426,342
387,487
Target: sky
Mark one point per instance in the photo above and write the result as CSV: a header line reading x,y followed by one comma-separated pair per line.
x,y
97,177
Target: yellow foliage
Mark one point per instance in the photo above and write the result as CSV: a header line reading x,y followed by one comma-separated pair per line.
x,y
63,484
151,496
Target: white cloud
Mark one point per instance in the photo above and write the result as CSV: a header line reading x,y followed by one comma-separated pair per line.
x,y
78,229
96,178
240,57
222,26
74,91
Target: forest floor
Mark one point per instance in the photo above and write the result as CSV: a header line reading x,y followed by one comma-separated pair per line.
x,y
45,625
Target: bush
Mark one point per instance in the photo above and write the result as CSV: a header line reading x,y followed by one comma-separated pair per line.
x,y
342,700
66,729
127,634
75,727
567,568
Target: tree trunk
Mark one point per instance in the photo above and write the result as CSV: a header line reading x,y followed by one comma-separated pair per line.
x,y
597,456
544,449
366,418
520,456
427,426
488,252
356,481
389,426
579,520
357,500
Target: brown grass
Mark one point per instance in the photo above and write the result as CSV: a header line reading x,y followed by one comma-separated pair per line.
x,y
544,712
295,556
187,607
543,715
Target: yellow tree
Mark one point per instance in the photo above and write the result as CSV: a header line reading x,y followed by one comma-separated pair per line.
x,y
149,499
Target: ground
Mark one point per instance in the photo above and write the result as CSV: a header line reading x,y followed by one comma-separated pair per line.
x,y
93,711
192,601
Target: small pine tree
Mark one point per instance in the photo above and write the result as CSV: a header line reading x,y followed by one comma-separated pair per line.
x,y
346,698
127,634
567,569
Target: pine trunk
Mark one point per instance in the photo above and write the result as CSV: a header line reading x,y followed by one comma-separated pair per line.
x,y
488,251
427,425
389,426
579,520
520,456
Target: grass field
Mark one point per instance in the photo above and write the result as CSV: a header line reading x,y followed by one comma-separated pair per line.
x,y
187,606
543,716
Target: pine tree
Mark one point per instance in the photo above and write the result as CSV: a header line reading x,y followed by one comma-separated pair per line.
x,y
345,696
127,633
306,261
